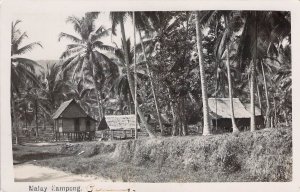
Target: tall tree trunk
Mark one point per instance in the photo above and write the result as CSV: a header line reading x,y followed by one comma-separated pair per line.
x,y
130,81
267,97
26,116
175,120
252,81
99,100
36,119
206,117
14,118
275,114
259,96
252,98
285,119
152,85
184,119
129,103
234,127
135,78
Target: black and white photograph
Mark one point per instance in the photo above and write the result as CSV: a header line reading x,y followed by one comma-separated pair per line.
x,y
156,96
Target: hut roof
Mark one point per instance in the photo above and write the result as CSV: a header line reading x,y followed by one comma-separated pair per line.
x,y
118,122
220,108
257,109
63,109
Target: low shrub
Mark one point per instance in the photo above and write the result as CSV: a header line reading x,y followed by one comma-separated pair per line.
x,y
264,155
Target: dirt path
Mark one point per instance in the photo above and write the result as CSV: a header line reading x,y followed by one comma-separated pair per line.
x,y
32,173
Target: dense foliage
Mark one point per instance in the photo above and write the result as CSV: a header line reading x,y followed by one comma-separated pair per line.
x,y
252,48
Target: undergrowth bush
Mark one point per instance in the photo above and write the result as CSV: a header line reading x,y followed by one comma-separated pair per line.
x,y
264,155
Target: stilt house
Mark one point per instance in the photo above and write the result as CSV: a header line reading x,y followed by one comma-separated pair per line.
x,y
73,123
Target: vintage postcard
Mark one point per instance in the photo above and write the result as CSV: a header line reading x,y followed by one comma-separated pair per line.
x,y
149,96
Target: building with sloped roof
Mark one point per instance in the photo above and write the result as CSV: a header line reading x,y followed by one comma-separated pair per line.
x,y
72,122
220,114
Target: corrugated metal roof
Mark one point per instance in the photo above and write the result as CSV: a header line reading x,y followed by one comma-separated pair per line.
x,y
220,108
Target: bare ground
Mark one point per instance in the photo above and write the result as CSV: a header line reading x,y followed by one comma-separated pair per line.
x,y
33,173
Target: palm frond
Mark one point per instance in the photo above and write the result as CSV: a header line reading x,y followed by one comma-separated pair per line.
x,y
69,52
101,46
100,32
26,62
70,37
76,22
28,48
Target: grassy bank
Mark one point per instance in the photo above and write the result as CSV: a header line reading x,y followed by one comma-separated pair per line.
x,y
264,155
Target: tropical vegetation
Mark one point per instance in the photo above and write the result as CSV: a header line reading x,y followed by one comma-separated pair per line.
x,y
179,60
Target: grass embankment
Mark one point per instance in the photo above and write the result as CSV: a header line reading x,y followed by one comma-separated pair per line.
x,y
264,155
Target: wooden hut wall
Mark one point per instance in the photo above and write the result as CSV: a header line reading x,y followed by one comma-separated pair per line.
x,y
59,125
82,123
68,125
93,125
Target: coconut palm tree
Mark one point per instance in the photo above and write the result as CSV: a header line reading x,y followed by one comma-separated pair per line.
x,y
84,56
206,117
120,84
223,46
22,69
36,97
118,18
55,85
262,35
145,21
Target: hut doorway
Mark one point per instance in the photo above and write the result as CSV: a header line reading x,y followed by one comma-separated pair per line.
x,y
88,125
76,124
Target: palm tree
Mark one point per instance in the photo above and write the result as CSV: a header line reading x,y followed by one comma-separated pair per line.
x,y
36,96
55,85
206,117
120,83
140,23
261,32
119,18
84,56
22,69
227,35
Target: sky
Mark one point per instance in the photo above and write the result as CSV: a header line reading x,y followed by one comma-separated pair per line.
x,y
45,28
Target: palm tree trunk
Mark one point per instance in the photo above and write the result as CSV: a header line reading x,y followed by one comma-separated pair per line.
x,y
267,98
252,98
206,117
26,116
275,114
135,78
100,105
36,119
130,81
129,104
174,116
252,81
259,96
152,85
234,127
14,120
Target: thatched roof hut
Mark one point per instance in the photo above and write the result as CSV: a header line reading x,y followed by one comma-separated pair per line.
x,y
257,109
118,122
219,110
71,120
71,109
